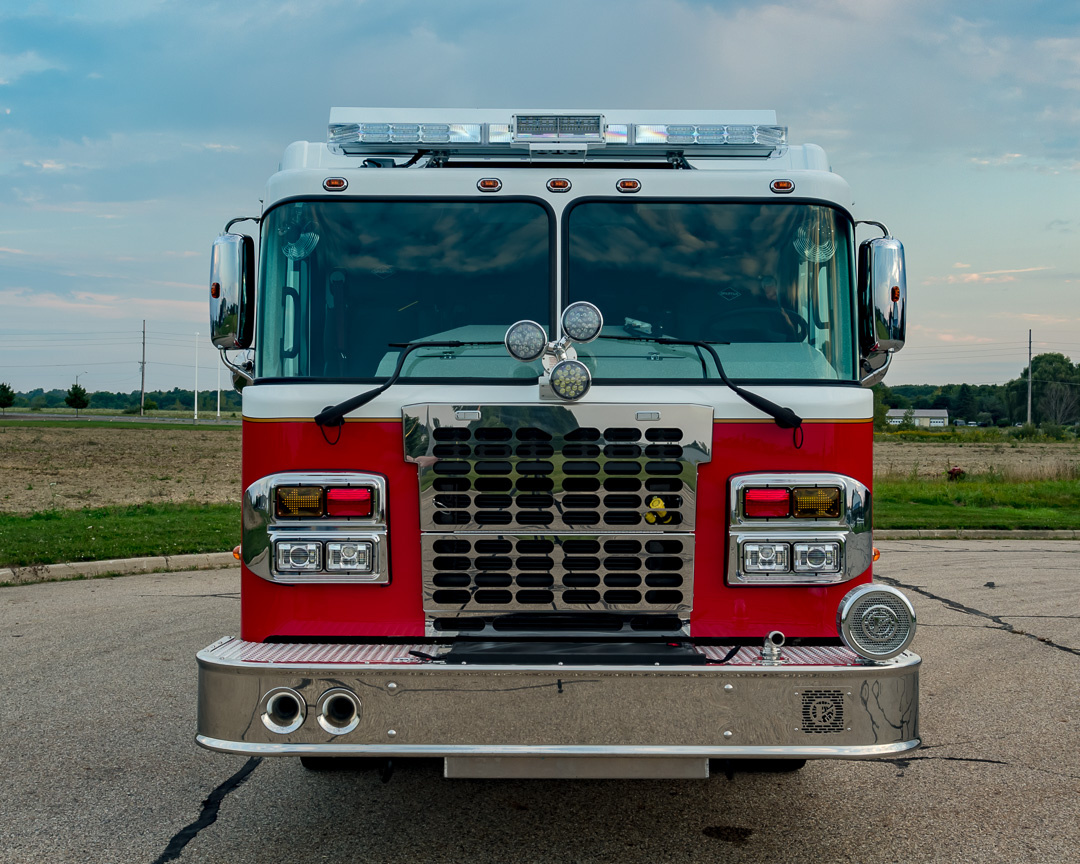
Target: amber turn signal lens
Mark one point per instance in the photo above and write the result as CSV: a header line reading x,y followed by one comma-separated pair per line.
x,y
782,186
628,185
815,502
300,501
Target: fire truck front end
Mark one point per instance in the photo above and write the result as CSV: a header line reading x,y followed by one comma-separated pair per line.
x,y
557,450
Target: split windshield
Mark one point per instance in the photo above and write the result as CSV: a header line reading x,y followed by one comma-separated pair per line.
x,y
342,279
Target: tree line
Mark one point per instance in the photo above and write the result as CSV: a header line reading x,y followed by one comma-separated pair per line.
x,y
76,397
1055,396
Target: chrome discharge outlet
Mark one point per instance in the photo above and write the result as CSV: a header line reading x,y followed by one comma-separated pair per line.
x,y
284,710
339,711
770,651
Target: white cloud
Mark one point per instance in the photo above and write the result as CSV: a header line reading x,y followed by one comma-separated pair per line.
x,y
15,66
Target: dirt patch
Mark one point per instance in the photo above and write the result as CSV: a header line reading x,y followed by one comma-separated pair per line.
x,y
60,468
1024,461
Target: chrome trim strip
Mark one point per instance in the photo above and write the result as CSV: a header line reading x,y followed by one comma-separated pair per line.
x,y
871,751
852,529
262,528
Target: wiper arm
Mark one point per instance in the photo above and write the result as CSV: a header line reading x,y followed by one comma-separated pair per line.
x,y
785,418
334,415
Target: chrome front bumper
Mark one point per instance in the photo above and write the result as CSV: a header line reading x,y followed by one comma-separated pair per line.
x,y
814,703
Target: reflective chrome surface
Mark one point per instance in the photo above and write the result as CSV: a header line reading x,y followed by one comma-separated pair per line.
x,y
792,710
230,261
852,530
262,528
484,574
876,621
883,305
556,451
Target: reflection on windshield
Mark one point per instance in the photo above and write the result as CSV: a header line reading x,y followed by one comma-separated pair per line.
x,y
773,280
342,279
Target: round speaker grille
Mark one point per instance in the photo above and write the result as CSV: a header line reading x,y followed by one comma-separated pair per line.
x,y
877,623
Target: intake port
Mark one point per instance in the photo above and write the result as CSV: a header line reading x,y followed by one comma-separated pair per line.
x,y
339,711
283,710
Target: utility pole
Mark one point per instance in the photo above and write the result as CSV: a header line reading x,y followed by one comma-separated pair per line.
x,y
142,385
1029,378
195,417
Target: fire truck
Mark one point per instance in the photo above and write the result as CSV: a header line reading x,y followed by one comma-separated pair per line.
x,y
557,450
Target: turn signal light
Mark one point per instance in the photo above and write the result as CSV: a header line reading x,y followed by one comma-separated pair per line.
x,y
815,502
350,501
294,501
767,503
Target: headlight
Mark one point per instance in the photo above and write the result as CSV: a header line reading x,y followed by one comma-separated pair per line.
x,y
525,341
875,621
570,379
582,321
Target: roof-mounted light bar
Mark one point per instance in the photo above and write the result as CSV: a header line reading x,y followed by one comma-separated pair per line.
x,y
551,133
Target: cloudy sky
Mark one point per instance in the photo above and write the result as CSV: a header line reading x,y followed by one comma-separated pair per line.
x,y
132,130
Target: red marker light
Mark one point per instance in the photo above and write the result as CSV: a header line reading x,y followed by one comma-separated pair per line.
x,y
767,503
347,502
215,290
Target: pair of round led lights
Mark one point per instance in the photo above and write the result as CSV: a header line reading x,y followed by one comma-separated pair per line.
x,y
526,341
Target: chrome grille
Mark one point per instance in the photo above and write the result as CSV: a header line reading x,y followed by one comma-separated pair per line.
x,y
575,519
558,468
495,574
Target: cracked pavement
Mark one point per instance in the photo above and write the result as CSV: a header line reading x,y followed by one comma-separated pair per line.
x,y
99,762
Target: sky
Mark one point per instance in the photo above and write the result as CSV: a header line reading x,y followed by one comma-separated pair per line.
x,y
132,130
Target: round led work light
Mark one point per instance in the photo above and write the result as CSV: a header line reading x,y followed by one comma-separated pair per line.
x,y
525,341
570,380
875,621
582,321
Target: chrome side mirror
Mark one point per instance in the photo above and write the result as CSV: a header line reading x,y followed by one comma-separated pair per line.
x,y
882,305
232,291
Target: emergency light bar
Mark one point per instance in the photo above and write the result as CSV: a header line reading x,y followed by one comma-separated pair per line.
x,y
356,131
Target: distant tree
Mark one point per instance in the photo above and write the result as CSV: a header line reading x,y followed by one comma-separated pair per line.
x,y
38,402
150,405
908,421
881,407
7,397
76,398
1058,403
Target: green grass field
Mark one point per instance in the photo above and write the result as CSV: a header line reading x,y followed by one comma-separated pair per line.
x,y
98,534
984,501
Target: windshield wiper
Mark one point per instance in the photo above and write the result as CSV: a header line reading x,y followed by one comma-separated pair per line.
x,y
334,415
785,418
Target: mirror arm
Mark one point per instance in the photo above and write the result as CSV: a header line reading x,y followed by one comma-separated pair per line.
x,y
234,367
881,225
231,222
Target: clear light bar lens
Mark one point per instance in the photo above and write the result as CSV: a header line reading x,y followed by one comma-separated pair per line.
x,y
765,557
709,134
817,557
349,556
302,557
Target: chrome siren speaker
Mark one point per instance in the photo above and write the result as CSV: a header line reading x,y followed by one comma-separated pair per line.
x,y
875,621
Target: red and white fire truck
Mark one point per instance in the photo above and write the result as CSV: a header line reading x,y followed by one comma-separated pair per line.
x,y
557,450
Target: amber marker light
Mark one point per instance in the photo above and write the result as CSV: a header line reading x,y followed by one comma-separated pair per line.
x,y
558,185
335,184
895,293
349,502
816,502
215,290
877,553
300,501
767,503
628,185
489,184
782,186
236,552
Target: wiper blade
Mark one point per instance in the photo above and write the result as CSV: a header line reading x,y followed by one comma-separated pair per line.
x,y
785,418
334,415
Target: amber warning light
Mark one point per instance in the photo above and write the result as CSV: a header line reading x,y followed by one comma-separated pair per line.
x,y
895,293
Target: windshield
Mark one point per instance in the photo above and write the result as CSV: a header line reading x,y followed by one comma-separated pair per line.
x,y
342,279
773,280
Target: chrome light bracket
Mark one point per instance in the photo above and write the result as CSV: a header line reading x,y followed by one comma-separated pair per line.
x,y
263,529
851,530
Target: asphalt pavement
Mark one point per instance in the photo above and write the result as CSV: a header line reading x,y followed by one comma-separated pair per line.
x,y
99,763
